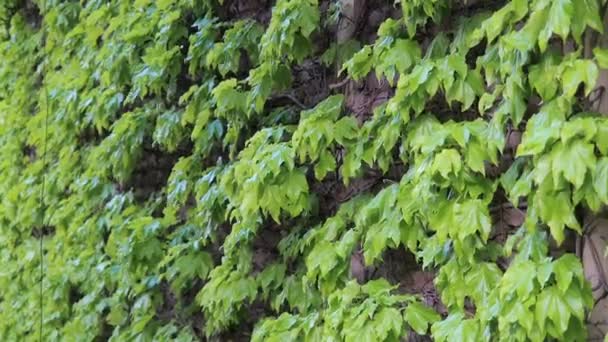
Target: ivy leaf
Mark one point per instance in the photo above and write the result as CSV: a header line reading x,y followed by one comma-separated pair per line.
x,y
584,127
378,287
472,216
526,38
544,79
533,246
587,13
573,161
326,163
475,156
600,179
580,71
117,315
558,21
601,55
515,311
545,269
565,269
551,304
323,258
419,316
426,134
557,211
360,64
486,101
601,139
389,321
481,280
402,55
228,97
519,278
461,91
446,162
542,129
375,243
455,328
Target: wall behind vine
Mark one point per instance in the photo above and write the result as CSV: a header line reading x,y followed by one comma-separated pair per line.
x,y
299,169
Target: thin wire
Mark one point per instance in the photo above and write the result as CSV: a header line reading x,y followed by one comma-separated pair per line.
x,y
43,207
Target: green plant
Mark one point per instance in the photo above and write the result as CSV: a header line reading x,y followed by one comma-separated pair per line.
x,y
167,153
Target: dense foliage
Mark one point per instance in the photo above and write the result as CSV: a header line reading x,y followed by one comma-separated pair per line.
x,y
189,170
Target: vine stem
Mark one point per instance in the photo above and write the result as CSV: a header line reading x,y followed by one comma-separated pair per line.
x,y
339,84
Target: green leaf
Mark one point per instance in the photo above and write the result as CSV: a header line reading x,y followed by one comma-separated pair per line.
x,y
600,179
419,317
472,216
557,211
389,322
590,13
461,91
566,268
455,328
475,156
601,55
573,161
580,71
544,79
518,278
551,304
558,21
360,64
584,127
542,129
545,269
446,162
377,287
444,330
482,280
322,258
426,134
526,38
116,316
326,163
402,55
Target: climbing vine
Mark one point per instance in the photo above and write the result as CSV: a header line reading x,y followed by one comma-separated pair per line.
x,y
250,169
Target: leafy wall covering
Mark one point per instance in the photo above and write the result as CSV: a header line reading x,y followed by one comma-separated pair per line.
x,y
295,169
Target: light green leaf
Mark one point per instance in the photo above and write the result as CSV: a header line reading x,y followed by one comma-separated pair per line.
x,y
545,269
518,278
360,64
470,217
573,161
446,162
419,317
551,304
542,129
326,163
601,55
557,211
445,330
584,127
482,280
389,321
402,55
475,156
566,268
580,71
600,179
558,21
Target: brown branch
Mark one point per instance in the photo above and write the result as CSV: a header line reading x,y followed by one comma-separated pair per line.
x,y
339,84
